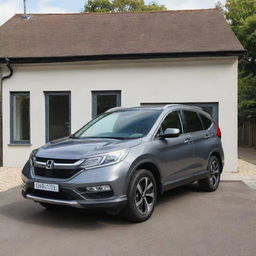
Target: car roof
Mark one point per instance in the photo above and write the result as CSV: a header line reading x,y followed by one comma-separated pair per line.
x,y
157,107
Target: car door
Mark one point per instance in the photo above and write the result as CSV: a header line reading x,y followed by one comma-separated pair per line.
x,y
194,126
175,155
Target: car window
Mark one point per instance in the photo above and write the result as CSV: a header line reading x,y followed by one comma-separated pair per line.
x,y
126,124
172,120
193,123
207,122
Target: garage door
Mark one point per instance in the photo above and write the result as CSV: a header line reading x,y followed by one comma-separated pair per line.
x,y
210,107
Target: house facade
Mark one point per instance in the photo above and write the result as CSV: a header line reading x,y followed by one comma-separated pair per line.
x,y
62,70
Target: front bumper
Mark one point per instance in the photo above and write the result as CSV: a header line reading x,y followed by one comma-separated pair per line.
x,y
72,191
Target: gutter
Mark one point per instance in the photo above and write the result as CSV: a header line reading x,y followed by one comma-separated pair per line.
x,y
129,56
8,65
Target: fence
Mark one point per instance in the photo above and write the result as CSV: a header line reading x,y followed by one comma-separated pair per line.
x,y
247,133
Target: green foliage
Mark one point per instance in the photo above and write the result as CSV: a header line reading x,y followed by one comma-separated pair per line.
x,y
120,6
241,15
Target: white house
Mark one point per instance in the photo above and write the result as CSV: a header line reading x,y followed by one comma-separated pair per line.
x,y
60,70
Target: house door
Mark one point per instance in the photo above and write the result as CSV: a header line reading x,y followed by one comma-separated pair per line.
x,y
57,106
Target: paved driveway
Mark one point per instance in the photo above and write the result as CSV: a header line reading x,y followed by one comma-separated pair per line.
x,y
185,222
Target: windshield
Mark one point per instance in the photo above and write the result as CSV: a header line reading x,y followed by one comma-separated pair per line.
x,y
125,124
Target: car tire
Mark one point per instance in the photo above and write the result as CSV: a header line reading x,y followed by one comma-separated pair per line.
x,y
142,195
211,183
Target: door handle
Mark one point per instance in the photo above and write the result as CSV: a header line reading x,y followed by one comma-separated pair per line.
x,y
207,136
188,140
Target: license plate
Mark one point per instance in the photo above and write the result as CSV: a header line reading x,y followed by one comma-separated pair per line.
x,y
46,187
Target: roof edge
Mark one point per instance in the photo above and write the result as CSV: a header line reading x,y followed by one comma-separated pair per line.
x,y
17,60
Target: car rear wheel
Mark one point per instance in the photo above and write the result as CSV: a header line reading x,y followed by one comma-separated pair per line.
x,y
211,183
142,194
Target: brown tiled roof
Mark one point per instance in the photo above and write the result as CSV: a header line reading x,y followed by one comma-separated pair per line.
x,y
99,34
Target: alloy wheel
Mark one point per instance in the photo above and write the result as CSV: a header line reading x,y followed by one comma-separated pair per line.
x,y
214,173
145,196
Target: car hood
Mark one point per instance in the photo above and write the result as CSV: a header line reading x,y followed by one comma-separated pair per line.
x,y
70,148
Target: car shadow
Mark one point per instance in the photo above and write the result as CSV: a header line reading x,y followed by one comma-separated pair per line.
x,y
26,211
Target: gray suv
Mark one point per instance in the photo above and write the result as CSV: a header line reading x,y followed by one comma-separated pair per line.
x,y
125,158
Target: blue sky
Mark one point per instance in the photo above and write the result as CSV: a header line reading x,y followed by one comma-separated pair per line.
x,y
9,7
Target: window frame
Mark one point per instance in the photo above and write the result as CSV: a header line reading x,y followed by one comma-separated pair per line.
x,y
202,121
156,133
185,121
46,99
213,105
13,94
117,93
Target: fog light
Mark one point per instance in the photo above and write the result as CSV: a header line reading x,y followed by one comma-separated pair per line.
x,y
99,188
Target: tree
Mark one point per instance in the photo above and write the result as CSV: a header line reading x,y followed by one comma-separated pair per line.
x,y
120,6
241,15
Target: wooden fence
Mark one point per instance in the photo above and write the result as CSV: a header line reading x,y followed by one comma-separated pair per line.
x,y
247,134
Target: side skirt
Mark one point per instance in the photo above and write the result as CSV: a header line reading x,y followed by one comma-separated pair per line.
x,y
188,179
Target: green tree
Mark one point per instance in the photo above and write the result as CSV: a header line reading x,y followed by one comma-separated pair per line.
x,y
120,6
241,15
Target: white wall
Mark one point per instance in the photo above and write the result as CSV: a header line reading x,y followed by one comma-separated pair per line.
x,y
176,80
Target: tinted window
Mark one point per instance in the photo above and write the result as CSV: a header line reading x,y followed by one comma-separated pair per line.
x,y
172,121
193,123
206,121
120,124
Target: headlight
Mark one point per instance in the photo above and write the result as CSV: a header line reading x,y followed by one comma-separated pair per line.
x,y
32,157
104,159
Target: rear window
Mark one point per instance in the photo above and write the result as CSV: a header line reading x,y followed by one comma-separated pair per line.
x,y
193,123
207,122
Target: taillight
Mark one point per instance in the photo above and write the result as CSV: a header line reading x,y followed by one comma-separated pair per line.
x,y
218,131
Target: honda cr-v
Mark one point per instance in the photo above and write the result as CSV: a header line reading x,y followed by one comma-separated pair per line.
x,y
125,158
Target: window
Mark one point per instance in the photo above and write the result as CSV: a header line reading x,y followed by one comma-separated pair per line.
x,y
173,120
20,117
104,100
193,123
206,121
125,124
57,114
212,108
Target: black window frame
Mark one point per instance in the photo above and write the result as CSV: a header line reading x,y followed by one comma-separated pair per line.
x,y
13,94
159,128
213,105
104,92
202,121
185,121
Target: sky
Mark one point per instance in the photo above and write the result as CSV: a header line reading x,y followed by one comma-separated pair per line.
x,y
9,7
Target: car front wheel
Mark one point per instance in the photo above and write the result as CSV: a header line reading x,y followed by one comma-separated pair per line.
x,y
142,193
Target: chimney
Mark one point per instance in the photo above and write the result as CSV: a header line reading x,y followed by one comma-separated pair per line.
x,y
24,16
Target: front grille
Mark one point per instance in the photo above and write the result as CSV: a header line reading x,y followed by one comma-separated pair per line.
x,y
55,173
57,161
62,195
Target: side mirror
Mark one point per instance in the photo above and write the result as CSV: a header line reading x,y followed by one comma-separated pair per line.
x,y
170,133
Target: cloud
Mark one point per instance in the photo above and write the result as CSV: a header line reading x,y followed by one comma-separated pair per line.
x,y
10,7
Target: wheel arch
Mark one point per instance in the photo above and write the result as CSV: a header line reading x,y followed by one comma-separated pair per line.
x,y
217,154
151,166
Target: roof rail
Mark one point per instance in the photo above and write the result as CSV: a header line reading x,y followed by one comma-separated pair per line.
x,y
113,109
171,105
